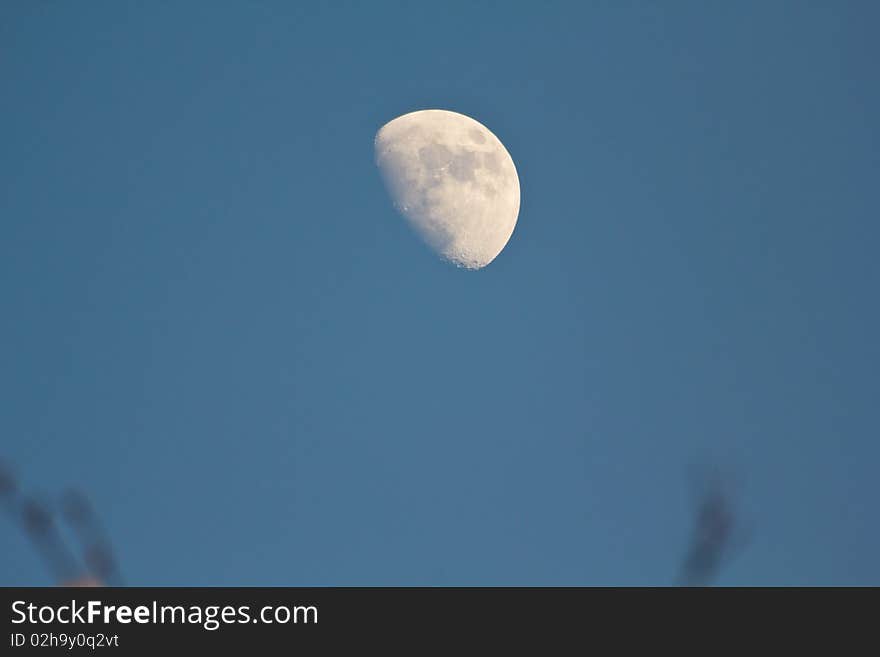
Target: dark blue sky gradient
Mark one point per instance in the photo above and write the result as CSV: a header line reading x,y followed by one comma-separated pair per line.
x,y
212,320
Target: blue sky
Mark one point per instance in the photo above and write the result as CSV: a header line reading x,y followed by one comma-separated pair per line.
x,y
215,324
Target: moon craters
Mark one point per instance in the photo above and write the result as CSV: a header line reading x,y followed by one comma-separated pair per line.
x,y
453,181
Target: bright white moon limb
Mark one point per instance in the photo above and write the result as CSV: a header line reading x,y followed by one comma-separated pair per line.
x,y
453,181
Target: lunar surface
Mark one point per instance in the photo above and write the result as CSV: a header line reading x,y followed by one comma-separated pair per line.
x,y
453,181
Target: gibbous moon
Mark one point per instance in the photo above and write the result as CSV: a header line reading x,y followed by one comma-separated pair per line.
x,y
453,181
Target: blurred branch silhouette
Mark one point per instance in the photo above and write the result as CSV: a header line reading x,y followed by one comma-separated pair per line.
x,y
717,534
718,531
37,521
